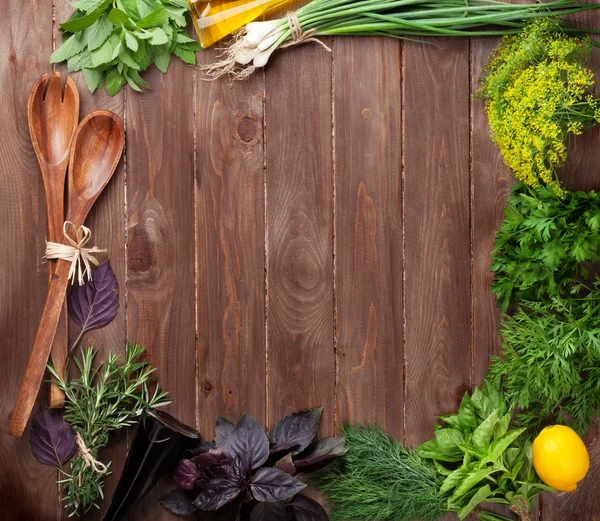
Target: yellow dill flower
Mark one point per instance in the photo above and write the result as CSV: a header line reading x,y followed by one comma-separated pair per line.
x,y
538,90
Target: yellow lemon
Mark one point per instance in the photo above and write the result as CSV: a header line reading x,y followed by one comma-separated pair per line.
x,y
560,457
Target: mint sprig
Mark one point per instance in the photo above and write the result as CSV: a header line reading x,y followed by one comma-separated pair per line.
x,y
113,41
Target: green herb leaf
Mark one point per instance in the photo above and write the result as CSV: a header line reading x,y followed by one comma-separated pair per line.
x,y
68,49
131,41
98,32
158,36
93,79
154,19
483,434
185,55
79,24
479,497
162,61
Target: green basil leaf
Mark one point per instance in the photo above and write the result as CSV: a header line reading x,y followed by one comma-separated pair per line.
x,y
500,445
162,62
114,81
99,32
483,433
131,41
442,471
479,497
472,479
501,427
449,439
93,79
154,19
79,24
185,56
118,17
78,62
68,49
466,414
456,477
159,37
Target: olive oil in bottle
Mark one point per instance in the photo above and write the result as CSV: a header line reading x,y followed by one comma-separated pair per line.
x,y
216,19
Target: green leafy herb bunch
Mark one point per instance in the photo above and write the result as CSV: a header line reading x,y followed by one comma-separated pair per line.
x,y
544,243
538,90
103,399
113,41
475,458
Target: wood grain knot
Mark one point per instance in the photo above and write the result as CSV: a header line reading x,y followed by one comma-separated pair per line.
x,y
140,253
246,129
12,58
207,388
366,113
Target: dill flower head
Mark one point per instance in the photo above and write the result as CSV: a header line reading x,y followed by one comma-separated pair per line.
x,y
538,90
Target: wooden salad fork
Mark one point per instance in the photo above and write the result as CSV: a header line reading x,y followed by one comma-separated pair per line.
x,y
95,153
53,118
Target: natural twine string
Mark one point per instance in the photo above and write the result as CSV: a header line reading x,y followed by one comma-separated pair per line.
x,y
88,458
75,252
298,35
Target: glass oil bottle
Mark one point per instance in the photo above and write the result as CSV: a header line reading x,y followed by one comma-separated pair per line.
x,y
215,19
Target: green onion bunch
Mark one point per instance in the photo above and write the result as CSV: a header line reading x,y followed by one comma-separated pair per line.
x,y
255,43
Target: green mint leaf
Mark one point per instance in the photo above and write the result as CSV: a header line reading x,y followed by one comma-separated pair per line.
x,y
135,76
131,42
93,79
185,55
104,54
143,56
86,21
131,83
114,81
162,62
68,49
79,61
177,15
154,19
118,17
159,37
145,7
183,37
127,58
99,32
87,5
131,8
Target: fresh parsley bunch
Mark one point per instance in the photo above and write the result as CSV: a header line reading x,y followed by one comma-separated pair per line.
x,y
113,41
543,244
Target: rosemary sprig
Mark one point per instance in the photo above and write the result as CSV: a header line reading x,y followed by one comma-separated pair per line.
x,y
103,399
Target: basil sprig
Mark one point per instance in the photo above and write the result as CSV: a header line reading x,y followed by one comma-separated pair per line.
x,y
482,460
113,41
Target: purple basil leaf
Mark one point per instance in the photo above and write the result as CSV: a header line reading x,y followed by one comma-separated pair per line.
x,y
268,512
223,431
306,509
238,472
212,458
185,474
295,432
178,502
216,493
320,454
200,449
95,303
286,464
248,441
52,440
228,512
274,485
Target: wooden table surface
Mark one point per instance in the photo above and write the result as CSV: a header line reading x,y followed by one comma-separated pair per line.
x,y
317,235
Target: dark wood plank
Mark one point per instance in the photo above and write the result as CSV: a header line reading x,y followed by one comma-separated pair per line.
x,y
230,249
581,173
107,222
437,232
491,182
24,49
160,240
368,231
299,233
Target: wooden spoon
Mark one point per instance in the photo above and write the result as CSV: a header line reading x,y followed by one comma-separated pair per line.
x,y
95,153
53,119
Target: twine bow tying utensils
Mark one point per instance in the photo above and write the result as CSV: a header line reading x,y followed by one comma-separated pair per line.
x,y
75,252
